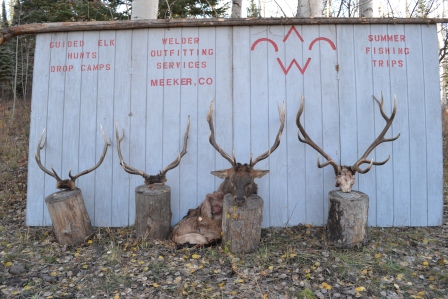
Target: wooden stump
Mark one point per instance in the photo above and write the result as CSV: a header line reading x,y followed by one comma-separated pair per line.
x,y
153,211
347,218
68,213
241,226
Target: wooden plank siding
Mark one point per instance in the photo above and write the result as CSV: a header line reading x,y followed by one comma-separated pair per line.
x,y
149,80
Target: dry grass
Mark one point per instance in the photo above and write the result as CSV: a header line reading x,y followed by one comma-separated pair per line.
x,y
294,262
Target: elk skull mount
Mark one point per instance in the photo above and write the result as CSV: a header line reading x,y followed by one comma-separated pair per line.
x,y
239,179
345,175
68,184
151,179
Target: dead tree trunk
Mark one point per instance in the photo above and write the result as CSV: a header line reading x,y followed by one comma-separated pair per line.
x,y
241,226
153,211
68,213
347,218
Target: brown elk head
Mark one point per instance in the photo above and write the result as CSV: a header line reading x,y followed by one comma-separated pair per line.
x,y
345,175
68,184
239,179
159,178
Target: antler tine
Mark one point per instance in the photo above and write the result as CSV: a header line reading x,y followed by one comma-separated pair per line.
x,y
40,146
181,154
306,139
106,144
212,137
37,155
282,115
126,167
380,139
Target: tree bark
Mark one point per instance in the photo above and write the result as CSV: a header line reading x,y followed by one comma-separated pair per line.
x,y
153,211
68,213
309,8
366,8
241,226
144,9
347,218
236,8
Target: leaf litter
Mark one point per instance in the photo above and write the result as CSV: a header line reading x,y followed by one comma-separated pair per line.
x,y
293,262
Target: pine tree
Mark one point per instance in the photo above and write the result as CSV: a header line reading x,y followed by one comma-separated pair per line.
x,y
6,61
253,11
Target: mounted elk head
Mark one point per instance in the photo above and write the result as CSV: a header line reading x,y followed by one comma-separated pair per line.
x,y
68,184
239,179
152,179
345,174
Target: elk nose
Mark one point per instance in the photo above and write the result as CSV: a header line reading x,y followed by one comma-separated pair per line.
x,y
239,200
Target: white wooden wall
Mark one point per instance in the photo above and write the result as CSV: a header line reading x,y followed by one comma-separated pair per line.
x,y
246,80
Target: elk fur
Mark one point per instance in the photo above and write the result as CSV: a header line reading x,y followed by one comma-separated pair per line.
x,y
202,225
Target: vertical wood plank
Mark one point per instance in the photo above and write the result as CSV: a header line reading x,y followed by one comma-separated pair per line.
x,y
400,147
330,108
122,116
35,204
384,179
278,208
138,120
434,153
87,149
417,142
105,116
296,183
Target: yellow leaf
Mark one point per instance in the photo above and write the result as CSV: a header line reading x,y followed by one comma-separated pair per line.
x,y
155,285
326,286
195,256
283,256
53,273
192,270
89,242
8,264
378,255
364,272
421,293
265,296
222,284
145,269
117,296
291,255
271,267
235,216
425,241
240,280
160,257
215,271
133,260
26,288
396,286
360,289
425,263
431,278
85,266
228,216
400,276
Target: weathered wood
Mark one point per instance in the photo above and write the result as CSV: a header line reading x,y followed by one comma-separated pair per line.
x,y
347,218
153,211
10,32
71,222
241,226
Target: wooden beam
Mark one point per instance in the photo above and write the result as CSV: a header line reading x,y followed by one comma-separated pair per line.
x,y
8,33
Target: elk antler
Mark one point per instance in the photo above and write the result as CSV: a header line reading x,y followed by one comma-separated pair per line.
x,y
67,184
263,156
380,139
212,137
152,179
306,139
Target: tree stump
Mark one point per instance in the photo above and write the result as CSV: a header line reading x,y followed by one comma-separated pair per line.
x,y
68,213
153,211
347,218
241,226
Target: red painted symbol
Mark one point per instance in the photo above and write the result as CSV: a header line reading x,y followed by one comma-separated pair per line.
x,y
294,61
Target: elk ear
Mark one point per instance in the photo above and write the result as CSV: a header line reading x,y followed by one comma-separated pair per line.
x,y
256,173
223,174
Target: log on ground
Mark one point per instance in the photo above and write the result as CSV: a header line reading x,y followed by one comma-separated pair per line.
x,y
153,211
241,226
68,213
347,218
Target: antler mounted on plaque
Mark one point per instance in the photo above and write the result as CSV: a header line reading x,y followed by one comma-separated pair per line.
x,y
152,179
345,174
68,184
239,179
